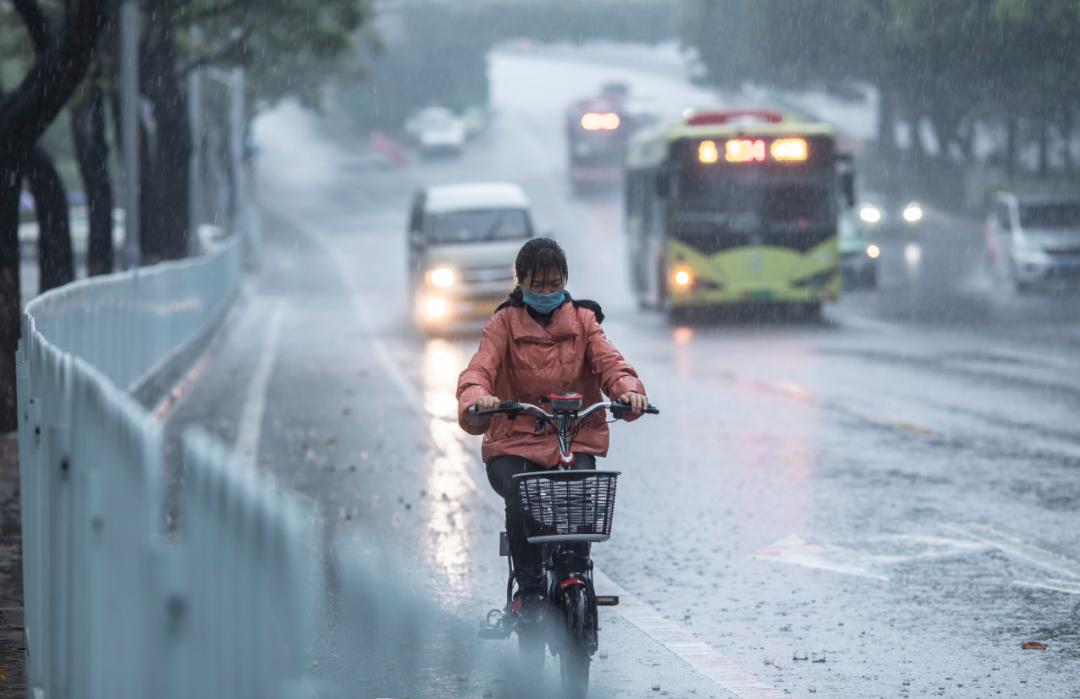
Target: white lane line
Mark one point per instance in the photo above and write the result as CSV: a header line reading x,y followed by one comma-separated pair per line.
x,y
1020,549
1028,357
1069,587
684,645
247,437
861,323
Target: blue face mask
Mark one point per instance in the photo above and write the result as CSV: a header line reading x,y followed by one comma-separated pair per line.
x,y
543,303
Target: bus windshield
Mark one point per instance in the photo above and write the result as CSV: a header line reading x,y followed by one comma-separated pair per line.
x,y
758,203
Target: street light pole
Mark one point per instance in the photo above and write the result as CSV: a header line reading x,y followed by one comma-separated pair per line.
x,y
129,126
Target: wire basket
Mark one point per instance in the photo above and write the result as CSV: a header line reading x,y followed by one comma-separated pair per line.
x,y
567,506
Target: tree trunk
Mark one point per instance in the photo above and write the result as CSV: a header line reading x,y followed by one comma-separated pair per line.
x,y
55,261
24,116
1067,138
92,151
886,126
1044,148
10,289
166,185
1012,137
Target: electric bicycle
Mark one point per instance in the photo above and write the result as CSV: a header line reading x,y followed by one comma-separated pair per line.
x,y
565,512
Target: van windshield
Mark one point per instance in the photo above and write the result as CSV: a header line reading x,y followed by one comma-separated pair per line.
x,y
479,226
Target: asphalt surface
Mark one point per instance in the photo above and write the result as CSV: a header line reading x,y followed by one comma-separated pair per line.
x,y
882,503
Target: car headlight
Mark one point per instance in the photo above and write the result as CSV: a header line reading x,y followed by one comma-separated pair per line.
x,y
870,213
913,213
442,277
873,251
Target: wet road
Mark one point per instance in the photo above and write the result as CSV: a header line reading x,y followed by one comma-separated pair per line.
x,y
880,504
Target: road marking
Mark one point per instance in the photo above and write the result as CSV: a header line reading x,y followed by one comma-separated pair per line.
x,y
794,550
686,646
1020,550
681,643
1029,357
1070,587
177,393
904,426
868,557
861,323
251,418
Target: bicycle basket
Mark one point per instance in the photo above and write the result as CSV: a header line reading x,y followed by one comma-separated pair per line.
x,y
567,506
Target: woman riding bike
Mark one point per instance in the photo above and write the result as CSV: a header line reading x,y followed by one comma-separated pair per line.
x,y
538,342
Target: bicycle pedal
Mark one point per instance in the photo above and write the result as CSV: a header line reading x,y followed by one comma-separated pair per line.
x,y
607,600
495,626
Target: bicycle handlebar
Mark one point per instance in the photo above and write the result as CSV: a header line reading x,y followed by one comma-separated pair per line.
x,y
512,408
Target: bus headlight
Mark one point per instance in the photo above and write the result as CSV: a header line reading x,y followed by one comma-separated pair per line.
x,y
870,213
683,277
442,277
913,213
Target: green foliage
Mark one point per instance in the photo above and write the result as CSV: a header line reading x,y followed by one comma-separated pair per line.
x,y
951,66
288,47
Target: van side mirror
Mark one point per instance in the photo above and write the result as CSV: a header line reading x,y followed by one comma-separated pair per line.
x,y
663,184
416,238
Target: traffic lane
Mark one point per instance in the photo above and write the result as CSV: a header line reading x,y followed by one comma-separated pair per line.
x,y
766,460
936,274
395,478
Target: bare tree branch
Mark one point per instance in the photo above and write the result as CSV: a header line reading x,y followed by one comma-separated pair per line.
x,y
227,50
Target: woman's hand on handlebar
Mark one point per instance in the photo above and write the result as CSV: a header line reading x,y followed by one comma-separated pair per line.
x,y
637,403
487,403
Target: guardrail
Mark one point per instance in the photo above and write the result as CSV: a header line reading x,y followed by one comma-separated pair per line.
x,y
114,605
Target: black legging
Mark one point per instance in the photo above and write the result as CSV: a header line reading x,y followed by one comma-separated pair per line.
x,y
527,564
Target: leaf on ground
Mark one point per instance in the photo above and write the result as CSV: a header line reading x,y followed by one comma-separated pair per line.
x,y
1034,645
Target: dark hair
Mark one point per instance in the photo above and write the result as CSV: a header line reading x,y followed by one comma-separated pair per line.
x,y
539,254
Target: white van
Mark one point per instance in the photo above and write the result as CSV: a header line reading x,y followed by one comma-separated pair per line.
x,y
1034,238
462,243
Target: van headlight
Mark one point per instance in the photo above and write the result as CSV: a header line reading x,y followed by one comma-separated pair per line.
x,y
436,308
442,277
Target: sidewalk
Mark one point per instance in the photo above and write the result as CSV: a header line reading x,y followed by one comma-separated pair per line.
x,y
12,646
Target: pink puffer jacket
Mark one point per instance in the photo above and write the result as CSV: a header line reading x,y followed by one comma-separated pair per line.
x,y
519,359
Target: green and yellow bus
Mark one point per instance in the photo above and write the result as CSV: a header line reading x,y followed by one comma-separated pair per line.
x,y
735,207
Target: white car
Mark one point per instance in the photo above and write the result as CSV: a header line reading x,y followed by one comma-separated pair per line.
x,y
462,243
436,131
1034,238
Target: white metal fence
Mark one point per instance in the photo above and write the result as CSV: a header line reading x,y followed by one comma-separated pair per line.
x,y
115,607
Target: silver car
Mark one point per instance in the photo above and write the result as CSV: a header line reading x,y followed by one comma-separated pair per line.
x,y
1034,238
